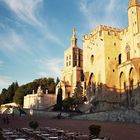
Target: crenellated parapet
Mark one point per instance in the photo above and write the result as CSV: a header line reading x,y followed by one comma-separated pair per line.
x,y
102,29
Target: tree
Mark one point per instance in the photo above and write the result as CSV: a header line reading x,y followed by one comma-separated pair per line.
x,y
59,99
3,96
78,94
46,83
68,104
57,80
20,93
7,95
11,91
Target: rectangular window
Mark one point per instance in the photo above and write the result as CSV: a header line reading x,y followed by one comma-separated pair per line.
x,y
128,55
100,33
67,64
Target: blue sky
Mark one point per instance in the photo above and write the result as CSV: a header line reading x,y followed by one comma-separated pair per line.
x,y
35,33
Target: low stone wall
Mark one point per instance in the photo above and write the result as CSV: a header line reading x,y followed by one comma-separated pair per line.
x,y
115,116
43,113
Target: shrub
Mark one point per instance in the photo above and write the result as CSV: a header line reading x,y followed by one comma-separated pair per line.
x,y
33,124
94,130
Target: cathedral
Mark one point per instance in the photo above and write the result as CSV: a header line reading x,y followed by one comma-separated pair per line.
x,y
108,62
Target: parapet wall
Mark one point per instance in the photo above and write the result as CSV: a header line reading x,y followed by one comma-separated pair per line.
x,y
101,28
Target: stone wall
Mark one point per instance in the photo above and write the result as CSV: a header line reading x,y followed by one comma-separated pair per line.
x,y
115,116
43,113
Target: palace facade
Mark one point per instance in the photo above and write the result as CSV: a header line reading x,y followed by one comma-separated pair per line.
x,y
110,59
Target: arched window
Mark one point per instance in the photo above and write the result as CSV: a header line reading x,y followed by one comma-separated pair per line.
x,y
131,78
122,82
92,59
127,51
139,73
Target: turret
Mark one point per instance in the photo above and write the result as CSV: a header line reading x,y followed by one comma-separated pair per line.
x,y
134,16
133,3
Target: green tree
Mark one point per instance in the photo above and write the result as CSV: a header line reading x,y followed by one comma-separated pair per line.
x,y
46,83
20,93
68,104
11,91
59,99
57,80
78,93
4,96
7,95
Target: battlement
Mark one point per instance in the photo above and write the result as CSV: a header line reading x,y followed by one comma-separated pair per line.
x,y
124,31
109,28
98,31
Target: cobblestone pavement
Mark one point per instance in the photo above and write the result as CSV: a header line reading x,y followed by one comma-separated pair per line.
x,y
115,131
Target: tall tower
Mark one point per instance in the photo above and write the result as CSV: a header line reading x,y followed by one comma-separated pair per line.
x,y
134,16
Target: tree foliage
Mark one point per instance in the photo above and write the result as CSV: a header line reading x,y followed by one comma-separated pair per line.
x,y
71,103
58,106
78,94
7,95
68,104
46,83
57,80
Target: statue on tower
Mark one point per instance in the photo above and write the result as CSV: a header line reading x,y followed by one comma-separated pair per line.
x,y
74,32
39,91
73,38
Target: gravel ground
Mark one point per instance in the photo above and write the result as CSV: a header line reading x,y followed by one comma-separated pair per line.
x,y
115,131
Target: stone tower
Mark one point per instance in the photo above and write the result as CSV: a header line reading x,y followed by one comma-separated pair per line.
x,y
73,63
134,16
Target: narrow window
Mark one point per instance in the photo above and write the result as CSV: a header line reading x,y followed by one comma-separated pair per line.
x,y
92,59
120,58
100,33
128,56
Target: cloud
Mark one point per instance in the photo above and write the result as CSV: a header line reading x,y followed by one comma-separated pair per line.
x,y
13,42
28,11
50,67
106,12
25,10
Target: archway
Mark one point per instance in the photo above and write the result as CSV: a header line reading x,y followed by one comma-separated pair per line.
x,y
133,78
123,90
91,83
139,73
122,82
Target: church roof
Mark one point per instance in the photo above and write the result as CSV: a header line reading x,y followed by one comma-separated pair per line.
x,y
133,3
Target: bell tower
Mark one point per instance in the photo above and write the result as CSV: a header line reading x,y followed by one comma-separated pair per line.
x,y
134,16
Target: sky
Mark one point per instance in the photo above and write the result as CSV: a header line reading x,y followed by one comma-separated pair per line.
x,y
35,33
